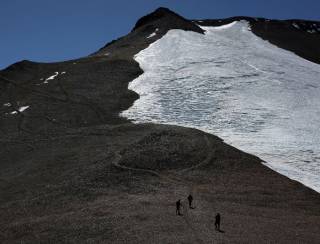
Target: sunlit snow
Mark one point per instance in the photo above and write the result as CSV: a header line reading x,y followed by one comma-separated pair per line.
x,y
51,77
229,82
296,26
21,109
153,34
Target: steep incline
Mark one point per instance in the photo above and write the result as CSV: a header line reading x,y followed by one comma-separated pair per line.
x,y
148,29
234,84
83,92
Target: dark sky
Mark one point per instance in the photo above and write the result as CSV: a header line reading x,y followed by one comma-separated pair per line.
x,y
55,30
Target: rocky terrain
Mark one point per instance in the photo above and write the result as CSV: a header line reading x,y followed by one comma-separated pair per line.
x,y
73,171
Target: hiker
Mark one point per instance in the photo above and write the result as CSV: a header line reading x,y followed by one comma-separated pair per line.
x,y
217,222
190,199
178,207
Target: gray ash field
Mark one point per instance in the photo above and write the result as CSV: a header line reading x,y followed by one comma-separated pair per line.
x,y
73,171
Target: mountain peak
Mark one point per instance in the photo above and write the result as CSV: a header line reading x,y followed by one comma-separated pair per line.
x,y
155,15
167,18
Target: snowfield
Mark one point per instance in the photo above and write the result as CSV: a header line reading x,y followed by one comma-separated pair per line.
x,y
229,82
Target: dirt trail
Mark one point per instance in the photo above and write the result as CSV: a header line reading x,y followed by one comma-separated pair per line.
x,y
177,180
173,175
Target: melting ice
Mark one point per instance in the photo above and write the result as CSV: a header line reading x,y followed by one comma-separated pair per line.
x,y
229,82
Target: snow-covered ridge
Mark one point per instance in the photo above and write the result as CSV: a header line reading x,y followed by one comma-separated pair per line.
x,y
229,82
222,27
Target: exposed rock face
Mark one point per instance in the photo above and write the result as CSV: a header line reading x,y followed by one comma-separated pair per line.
x,y
165,18
158,22
73,171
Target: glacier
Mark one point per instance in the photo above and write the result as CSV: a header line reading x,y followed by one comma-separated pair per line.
x,y
255,96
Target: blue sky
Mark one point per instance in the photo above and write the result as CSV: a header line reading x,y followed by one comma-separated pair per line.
x,y
56,30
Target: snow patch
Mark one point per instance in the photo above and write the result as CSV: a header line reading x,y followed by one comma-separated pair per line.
x,y
153,34
51,77
295,25
229,82
21,109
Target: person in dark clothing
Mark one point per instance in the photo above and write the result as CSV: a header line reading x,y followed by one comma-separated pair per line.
x,y
190,199
178,207
217,222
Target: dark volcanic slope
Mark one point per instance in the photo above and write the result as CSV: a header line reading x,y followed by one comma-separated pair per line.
x,y
78,187
158,22
93,89
299,36
72,171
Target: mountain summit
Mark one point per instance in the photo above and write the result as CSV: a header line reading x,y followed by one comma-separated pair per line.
x,y
148,29
165,18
